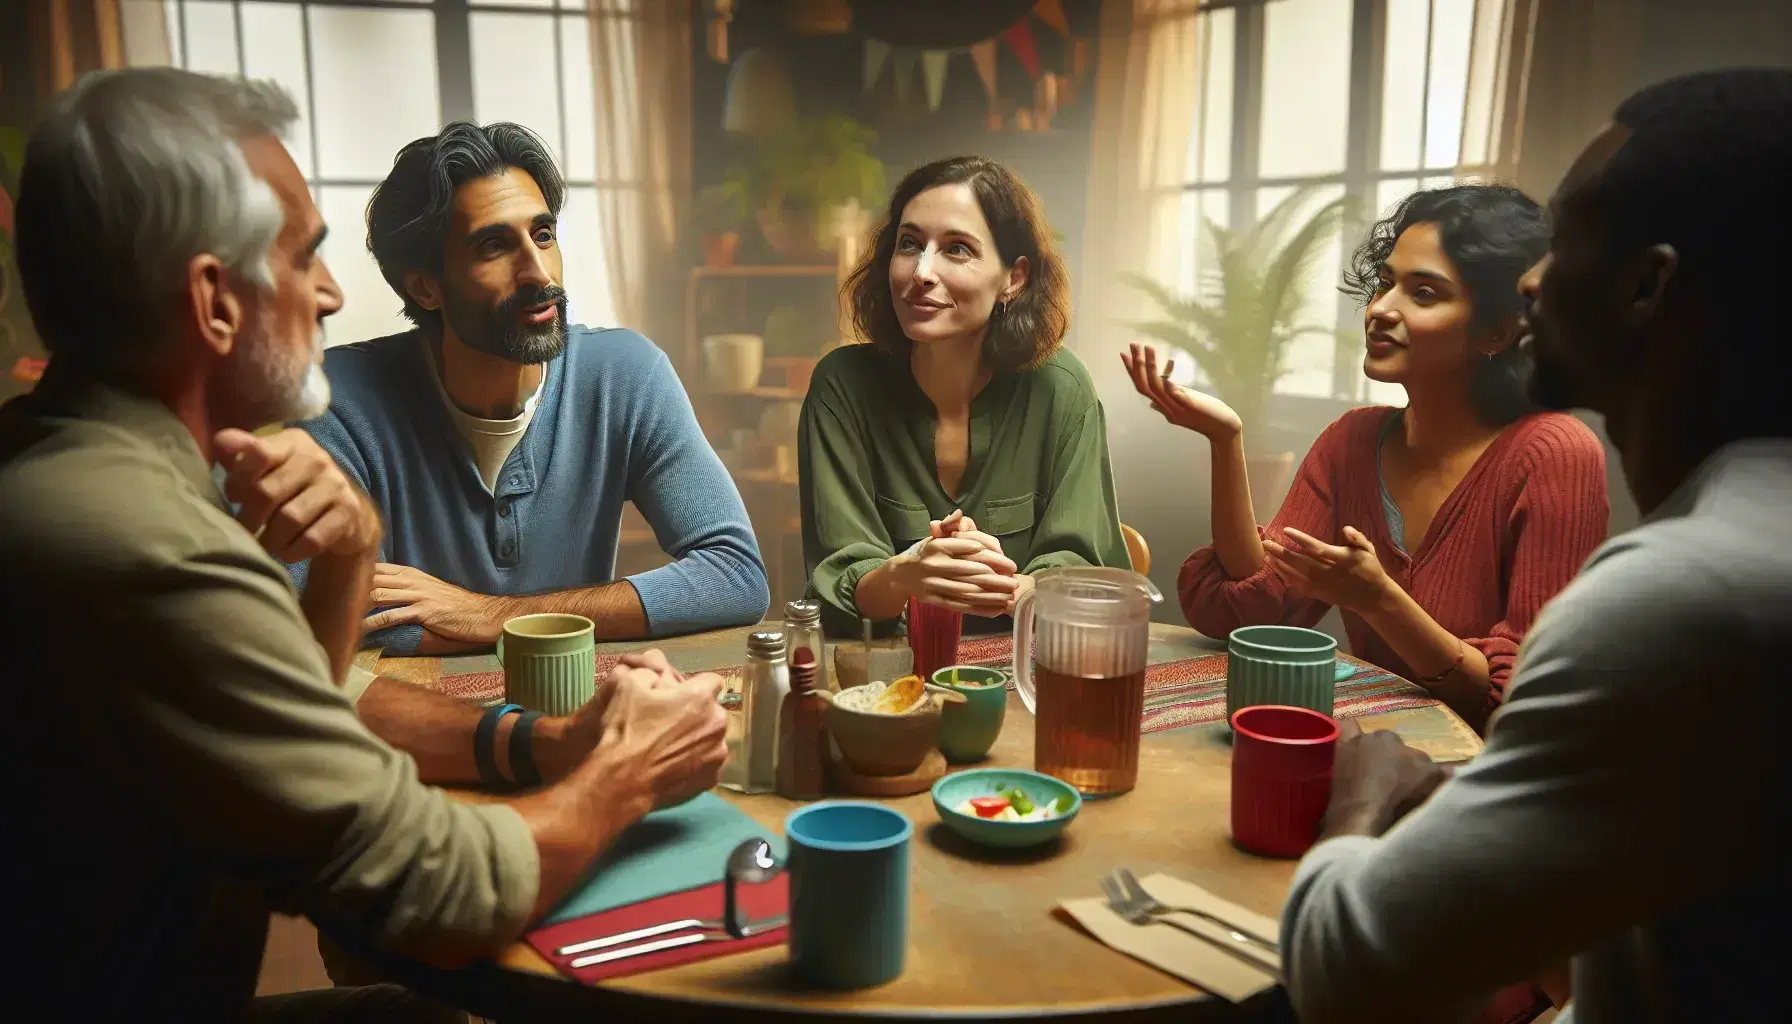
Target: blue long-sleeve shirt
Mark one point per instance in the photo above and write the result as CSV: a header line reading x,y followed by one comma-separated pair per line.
x,y
612,424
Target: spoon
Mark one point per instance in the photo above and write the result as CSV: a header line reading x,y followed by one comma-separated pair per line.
x,y
751,863
952,696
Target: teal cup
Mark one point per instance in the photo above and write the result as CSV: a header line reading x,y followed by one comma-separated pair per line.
x,y
1283,665
968,730
848,867
550,662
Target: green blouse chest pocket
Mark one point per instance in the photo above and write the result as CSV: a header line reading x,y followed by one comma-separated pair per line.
x,y
905,523
1004,517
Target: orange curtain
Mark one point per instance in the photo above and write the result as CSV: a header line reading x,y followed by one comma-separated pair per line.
x,y
69,37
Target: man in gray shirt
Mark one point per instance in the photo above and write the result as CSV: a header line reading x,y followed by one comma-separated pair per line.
x,y
1623,811
192,759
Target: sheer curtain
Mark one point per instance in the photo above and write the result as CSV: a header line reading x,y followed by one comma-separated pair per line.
x,y
641,66
1542,78
1147,92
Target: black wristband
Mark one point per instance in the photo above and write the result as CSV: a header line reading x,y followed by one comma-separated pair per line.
x,y
522,750
483,755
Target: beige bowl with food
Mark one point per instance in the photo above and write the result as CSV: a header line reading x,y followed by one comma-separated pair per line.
x,y
879,743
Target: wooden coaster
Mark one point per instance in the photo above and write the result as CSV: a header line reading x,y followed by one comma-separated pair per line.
x,y
932,768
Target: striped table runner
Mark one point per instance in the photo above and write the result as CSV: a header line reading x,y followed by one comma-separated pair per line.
x,y
1177,693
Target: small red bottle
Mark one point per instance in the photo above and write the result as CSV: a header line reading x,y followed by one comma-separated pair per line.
x,y
802,734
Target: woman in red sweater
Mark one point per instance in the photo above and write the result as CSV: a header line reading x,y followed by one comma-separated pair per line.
x,y
1439,529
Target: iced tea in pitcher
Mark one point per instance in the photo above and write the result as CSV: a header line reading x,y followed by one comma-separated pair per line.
x,y
1089,631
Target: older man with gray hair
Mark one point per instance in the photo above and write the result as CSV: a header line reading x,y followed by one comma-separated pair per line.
x,y
200,759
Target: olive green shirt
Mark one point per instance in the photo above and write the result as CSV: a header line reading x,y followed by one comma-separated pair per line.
x,y
182,761
1038,478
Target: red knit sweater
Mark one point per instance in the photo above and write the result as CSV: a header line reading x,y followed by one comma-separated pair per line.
x,y
1512,534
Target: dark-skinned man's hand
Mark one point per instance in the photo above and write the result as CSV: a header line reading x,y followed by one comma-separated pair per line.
x,y
1376,780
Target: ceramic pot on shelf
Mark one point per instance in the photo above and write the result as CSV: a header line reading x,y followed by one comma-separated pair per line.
x,y
719,250
733,362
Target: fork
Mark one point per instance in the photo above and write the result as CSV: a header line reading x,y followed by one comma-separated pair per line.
x,y
1134,913
1151,906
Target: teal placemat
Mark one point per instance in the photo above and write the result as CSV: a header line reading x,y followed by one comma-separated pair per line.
x,y
664,852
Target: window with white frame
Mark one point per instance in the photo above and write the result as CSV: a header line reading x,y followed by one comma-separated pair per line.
x,y
1354,97
370,76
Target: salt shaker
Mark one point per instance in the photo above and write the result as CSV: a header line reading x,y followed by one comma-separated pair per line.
x,y
802,629
764,683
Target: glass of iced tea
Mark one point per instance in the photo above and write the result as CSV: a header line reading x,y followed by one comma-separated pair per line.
x,y
933,635
1089,631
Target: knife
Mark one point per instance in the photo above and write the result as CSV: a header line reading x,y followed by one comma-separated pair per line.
x,y
638,933
659,945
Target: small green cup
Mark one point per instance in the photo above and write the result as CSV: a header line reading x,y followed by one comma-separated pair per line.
x,y
550,662
968,730
1284,665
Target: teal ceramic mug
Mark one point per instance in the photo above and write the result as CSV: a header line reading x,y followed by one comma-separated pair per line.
x,y
1284,665
550,662
849,878
968,730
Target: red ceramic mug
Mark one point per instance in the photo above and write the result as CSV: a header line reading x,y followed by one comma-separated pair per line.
x,y
1281,777
933,634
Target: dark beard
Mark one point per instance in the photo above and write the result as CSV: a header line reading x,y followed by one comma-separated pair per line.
x,y
1551,385
498,331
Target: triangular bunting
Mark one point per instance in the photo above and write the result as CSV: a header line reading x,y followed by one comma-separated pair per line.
x,y
903,65
984,56
1052,13
1019,38
875,55
933,76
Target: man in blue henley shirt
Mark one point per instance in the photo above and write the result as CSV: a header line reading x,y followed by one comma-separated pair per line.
x,y
500,444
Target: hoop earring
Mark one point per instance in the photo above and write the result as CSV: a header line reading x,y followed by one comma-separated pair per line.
x,y
1000,308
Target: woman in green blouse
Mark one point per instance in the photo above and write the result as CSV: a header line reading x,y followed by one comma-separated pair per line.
x,y
963,448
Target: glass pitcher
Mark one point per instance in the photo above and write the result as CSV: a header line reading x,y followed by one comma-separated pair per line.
x,y
1085,683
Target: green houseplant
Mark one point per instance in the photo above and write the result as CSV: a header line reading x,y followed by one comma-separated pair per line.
x,y
799,176
1245,315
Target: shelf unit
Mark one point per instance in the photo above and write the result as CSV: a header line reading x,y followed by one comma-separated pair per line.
x,y
770,496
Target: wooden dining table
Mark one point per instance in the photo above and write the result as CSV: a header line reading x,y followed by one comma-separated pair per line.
x,y
985,939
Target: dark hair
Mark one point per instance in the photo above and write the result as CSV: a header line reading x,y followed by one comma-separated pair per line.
x,y
1029,330
407,218
1705,169
1493,234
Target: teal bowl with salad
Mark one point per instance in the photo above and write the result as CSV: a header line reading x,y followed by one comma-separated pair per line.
x,y
1005,807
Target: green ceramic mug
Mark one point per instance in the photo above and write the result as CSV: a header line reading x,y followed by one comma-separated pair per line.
x,y
968,730
550,662
1284,665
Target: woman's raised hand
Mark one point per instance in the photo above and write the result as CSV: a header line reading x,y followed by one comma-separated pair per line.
x,y
1192,410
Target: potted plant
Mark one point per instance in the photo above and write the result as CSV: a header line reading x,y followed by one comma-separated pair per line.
x,y
1239,326
717,214
799,176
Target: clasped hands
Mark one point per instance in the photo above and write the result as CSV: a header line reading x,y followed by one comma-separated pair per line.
x,y
961,568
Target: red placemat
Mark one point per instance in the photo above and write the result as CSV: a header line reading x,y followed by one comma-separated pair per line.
x,y
704,903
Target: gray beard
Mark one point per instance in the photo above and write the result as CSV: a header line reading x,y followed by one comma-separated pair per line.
x,y
284,393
